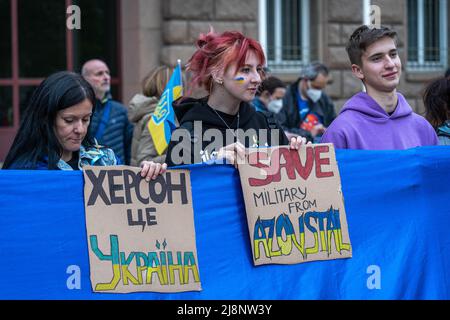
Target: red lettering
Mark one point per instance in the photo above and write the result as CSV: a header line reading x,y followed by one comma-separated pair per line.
x,y
304,170
322,161
292,163
287,165
253,160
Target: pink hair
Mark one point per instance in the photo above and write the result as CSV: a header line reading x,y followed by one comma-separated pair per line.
x,y
216,52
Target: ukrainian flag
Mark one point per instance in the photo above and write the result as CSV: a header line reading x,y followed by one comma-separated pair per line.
x,y
162,122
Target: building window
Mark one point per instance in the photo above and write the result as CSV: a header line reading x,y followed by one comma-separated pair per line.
x,y
427,35
284,33
98,36
35,42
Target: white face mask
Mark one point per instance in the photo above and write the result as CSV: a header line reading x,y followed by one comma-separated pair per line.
x,y
314,94
275,105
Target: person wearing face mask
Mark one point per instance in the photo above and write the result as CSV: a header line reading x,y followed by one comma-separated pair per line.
x,y
270,98
307,110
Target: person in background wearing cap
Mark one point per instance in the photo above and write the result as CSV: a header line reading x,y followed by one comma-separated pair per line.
x,y
307,111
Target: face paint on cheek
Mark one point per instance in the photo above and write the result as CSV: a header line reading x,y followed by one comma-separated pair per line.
x,y
240,80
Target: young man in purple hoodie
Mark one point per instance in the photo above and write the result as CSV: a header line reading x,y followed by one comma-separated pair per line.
x,y
379,118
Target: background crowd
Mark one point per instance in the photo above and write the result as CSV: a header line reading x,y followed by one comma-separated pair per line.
x,y
72,119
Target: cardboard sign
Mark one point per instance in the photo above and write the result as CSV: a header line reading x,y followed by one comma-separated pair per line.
x,y
141,235
294,203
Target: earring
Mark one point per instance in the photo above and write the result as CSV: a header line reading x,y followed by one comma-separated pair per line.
x,y
219,81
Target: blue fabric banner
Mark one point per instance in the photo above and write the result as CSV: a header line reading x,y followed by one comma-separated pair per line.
x,y
398,214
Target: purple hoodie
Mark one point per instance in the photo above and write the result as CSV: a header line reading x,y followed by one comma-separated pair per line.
x,y
363,124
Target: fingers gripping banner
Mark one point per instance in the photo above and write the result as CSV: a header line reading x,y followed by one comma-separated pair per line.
x,y
294,204
141,234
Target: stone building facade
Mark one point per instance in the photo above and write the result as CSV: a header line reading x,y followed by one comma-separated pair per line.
x,y
161,31
133,36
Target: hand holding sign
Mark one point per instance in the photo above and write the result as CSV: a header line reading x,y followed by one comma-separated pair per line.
x,y
150,170
297,141
233,153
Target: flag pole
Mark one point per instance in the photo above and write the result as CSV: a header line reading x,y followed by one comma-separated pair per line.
x,y
179,64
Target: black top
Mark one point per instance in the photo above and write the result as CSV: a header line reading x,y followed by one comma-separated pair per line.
x,y
74,161
193,142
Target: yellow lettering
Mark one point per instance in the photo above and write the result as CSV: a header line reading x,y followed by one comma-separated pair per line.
x,y
126,274
256,244
194,270
315,248
157,270
300,246
273,253
343,246
172,269
323,241
285,246
113,284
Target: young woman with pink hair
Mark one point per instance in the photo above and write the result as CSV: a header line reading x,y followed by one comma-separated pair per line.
x,y
221,125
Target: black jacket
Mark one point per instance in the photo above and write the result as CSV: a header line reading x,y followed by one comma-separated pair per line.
x,y
189,143
289,116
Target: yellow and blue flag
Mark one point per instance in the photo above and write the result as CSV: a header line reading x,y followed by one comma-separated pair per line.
x,y
162,122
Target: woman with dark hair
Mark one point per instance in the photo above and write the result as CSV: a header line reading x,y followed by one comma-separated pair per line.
x,y
437,108
54,130
219,126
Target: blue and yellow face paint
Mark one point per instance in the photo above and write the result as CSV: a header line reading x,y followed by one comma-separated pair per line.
x,y
240,80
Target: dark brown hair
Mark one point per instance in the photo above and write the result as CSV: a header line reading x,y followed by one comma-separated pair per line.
x,y
36,137
270,84
436,99
363,37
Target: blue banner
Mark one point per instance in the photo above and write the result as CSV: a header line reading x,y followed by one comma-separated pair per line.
x,y
398,214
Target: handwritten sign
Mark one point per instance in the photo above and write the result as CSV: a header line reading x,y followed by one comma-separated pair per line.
x,y
294,204
141,235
